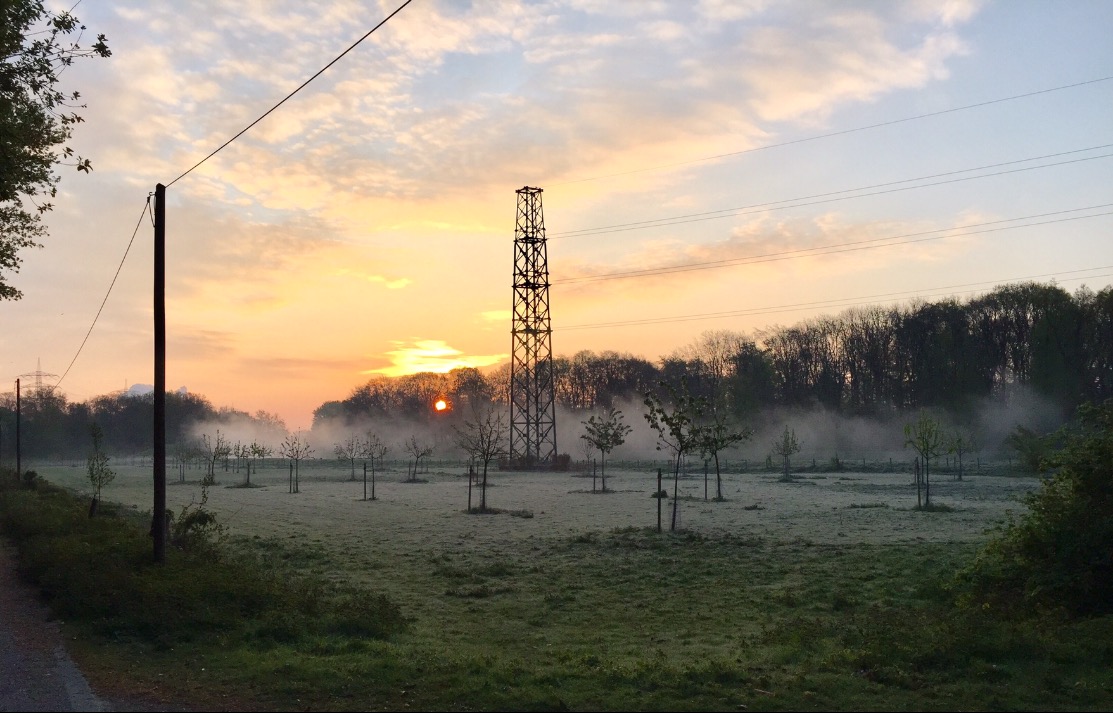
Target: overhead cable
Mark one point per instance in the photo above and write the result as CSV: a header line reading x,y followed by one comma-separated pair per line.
x,y
832,248
146,208
837,133
830,197
291,94
839,302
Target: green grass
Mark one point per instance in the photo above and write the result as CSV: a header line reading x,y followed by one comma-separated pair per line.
x,y
619,619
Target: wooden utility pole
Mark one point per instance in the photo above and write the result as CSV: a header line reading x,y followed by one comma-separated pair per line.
x,y
158,514
18,436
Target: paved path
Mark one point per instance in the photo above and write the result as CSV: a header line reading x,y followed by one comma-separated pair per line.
x,y
36,673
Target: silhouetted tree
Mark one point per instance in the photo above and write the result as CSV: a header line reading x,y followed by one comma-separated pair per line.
x,y
296,448
96,468
785,447
676,421
925,437
484,437
605,433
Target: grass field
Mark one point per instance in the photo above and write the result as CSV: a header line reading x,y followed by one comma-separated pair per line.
x,y
822,593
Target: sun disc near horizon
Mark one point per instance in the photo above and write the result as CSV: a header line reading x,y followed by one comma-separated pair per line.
x,y
441,405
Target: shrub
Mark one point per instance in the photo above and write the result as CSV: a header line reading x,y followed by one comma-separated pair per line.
x,y
1032,448
99,571
1059,552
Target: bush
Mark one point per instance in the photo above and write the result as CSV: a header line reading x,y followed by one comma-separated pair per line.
x,y
1060,552
1032,449
99,572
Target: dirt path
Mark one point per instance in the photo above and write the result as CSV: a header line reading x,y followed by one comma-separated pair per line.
x,y
36,673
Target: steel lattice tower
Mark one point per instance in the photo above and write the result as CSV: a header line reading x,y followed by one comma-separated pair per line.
x,y
532,404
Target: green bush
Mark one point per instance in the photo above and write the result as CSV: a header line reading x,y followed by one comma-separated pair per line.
x,y
100,572
1060,552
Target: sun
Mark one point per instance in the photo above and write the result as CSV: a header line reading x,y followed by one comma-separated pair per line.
x,y
441,405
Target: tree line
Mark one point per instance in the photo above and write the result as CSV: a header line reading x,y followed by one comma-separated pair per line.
x,y
866,361
54,427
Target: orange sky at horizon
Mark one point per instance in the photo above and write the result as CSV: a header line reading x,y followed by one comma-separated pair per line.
x,y
758,164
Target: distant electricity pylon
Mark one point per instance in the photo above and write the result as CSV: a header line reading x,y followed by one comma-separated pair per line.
x,y
38,374
532,403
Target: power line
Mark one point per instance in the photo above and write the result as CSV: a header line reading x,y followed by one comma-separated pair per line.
x,y
840,302
836,133
291,94
820,198
853,246
146,207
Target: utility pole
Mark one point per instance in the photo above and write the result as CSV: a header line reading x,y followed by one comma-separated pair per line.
x,y
18,436
532,402
158,514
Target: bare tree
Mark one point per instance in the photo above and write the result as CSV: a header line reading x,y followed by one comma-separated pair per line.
x,y
256,450
215,448
676,423
239,453
605,433
589,451
961,443
785,447
295,448
484,437
418,449
374,449
718,434
926,438
185,452
714,354
347,451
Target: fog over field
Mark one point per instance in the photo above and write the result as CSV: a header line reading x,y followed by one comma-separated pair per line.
x,y
845,507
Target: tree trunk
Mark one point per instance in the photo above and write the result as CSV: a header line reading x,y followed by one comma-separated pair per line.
x,y
93,506
919,480
365,480
927,482
718,479
659,499
705,480
675,492
483,491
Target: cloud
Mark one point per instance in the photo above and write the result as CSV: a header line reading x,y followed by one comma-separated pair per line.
x,y
849,55
430,355
390,283
765,246
297,366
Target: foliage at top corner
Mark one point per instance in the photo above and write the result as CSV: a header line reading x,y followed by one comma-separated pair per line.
x,y
36,117
1059,553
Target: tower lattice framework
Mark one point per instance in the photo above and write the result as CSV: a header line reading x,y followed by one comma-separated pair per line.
x,y
532,403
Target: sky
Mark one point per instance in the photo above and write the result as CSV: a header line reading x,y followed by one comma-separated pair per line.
x,y
765,162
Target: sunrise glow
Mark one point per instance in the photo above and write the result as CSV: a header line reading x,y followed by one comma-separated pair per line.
x,y
357,221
